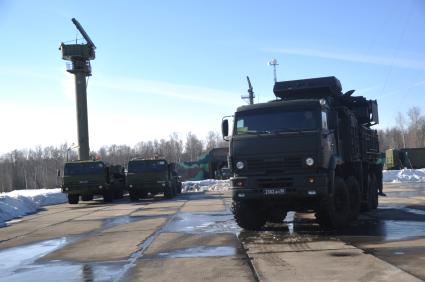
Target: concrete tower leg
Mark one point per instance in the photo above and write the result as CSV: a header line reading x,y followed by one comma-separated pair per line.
x,y
82,118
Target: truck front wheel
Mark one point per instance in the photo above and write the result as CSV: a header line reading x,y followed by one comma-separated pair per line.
x,y
248,215
355,198
73,199
168,192
334,210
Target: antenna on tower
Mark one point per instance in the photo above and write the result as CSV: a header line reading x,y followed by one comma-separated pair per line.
x,y
274,63
251,95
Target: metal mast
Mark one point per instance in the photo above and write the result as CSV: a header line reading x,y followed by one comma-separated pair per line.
x,y
80,56
251,95
274,63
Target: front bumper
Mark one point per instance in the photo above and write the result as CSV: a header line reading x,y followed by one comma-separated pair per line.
x,y
147,187
85,190
283,187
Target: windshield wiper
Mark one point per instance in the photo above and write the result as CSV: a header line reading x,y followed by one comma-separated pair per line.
x,y
257,132
287,129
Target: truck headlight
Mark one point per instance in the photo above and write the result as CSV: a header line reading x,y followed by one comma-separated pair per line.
x,y
309,161
100,186
131,185
240,165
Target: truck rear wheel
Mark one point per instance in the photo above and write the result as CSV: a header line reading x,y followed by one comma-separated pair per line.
x,y
168,192
119,194
73,199
87,197
108,196
373,189
334,210
355,198
248,215
134,196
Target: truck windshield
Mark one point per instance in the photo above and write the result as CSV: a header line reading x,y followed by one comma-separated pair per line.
x,y
84,168
256,122
146,166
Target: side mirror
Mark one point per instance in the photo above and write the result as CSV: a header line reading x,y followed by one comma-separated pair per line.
x,y
225,128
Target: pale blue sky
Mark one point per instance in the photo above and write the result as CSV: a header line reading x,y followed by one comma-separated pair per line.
x,y
165,66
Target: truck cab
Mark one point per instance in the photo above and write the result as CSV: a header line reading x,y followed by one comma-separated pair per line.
x,y
89,178
150,177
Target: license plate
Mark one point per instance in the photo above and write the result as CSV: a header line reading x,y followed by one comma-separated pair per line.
x,y
274,191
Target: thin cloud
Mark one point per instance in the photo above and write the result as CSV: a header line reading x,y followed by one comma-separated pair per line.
x,y
404,90
179,91
418,63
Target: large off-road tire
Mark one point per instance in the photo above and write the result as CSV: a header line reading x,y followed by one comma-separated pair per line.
x,y
73,199
143,195
87,197
134,195
373,192
168,192
276,216
108,196
334,210
354,192
119,194
248,215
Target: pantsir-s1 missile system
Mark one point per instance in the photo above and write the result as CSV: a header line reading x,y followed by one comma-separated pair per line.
x,y
311,149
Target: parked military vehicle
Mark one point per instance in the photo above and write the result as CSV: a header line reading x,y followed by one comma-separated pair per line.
x,y
89,178
152,177
311,149
405,157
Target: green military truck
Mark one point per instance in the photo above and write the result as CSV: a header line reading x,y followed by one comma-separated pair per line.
x,y
311,149
89,178
405,157
150,177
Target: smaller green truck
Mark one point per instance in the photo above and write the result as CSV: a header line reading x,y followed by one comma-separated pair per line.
x,y
92,177
151,177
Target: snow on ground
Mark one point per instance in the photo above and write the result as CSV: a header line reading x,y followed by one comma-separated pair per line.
x,y
22,202
394,176
206,185
404,175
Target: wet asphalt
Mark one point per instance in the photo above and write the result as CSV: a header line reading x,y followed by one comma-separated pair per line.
x,y
194,237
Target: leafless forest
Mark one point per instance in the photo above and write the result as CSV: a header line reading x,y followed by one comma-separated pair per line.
x,y
37,168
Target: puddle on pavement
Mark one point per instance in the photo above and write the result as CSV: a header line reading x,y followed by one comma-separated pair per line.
x,y
64,271
22,263
123,219
397,194
203,223
387,230
204,251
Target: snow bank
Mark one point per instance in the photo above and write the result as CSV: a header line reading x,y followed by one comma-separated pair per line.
x,y
22,202
206,185
404,175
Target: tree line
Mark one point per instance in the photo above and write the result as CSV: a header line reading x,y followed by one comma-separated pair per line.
x,y
409,131
37,168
